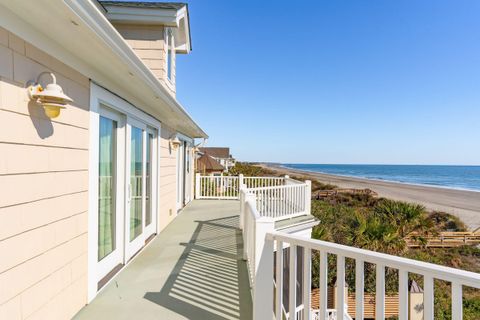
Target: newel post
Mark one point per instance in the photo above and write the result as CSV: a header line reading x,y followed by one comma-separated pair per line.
x,y
308,197
263,285
240,180
241,195
197,185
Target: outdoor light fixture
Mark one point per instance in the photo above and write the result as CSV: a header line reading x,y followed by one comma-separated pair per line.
x,y
175,143
51,97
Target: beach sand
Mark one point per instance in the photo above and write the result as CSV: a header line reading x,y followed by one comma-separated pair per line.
x,y
463,204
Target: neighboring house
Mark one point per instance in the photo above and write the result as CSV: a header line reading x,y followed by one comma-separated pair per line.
x,y
222,155
83,192
208,165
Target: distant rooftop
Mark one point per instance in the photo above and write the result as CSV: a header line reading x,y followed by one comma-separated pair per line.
x,y
217,152
207,163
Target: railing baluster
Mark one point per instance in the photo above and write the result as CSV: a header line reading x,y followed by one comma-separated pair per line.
x,y
292,282
323,278
457,301
380,292
402,294
279,287
359,288
307,282
428,297
340,287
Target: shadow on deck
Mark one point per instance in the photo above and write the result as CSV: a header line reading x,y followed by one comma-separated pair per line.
x,y
201,275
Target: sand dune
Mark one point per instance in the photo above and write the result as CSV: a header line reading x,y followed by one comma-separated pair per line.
x,y
464,204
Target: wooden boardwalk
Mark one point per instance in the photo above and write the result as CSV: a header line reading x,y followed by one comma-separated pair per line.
x,y
447,240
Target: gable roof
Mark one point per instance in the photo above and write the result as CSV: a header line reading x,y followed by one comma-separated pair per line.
x,y
85,40
207,163
172,14
217,152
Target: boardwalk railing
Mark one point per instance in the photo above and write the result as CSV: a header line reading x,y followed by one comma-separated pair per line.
x,y
444,240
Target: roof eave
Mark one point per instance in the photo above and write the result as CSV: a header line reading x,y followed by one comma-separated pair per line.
x,y
91,15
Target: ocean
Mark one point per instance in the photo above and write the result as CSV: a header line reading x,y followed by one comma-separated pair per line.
x,y
455,177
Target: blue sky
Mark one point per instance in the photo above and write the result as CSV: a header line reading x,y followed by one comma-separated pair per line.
x,y
375,81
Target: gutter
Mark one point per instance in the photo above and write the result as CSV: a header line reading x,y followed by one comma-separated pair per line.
x,y
90,14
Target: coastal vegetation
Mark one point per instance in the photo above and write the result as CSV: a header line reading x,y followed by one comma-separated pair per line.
x,y
364,221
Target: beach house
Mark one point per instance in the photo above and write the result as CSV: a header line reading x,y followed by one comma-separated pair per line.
x,y
221,154
97,212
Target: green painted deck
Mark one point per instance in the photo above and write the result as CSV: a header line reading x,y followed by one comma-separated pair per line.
x,y
192,270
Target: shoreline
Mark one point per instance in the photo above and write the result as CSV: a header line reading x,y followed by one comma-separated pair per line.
x,y
464,204
373,179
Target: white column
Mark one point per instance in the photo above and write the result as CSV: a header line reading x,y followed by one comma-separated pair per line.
x,y
242,207
263,285
197,186
308,197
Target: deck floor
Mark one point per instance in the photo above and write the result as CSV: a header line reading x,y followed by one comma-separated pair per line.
x,y
192,270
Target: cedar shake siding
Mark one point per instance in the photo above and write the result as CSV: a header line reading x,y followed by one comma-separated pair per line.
x,y
148,42
44,183
168,180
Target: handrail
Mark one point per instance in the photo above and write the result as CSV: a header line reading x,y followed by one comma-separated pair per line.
x,y
467,278
275,241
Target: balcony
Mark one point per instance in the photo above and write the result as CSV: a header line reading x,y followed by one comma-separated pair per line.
x,y
220,259
192,270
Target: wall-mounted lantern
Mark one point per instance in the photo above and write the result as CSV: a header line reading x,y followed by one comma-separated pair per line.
x,y
51,97
175,143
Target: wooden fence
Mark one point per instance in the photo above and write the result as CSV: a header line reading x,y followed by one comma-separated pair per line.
x,y
446,240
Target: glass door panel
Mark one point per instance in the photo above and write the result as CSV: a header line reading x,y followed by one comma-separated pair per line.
x,y
136,182
106,187
110,193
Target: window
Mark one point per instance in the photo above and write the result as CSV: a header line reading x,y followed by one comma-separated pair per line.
x,y
169,42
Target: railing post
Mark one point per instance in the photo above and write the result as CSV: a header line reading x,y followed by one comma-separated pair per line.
x,y
197,185
263,285
241,194
240,180
308,197
285,179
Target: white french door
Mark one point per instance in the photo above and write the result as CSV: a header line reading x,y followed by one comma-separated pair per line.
x,y
123,184
111,174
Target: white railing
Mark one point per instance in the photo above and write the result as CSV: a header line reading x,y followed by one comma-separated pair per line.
x,y
254,228
276,197
282,201
217,187
227,187
263,289
259,182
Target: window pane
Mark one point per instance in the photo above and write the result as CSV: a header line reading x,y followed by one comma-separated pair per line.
x,y
106,187
136,180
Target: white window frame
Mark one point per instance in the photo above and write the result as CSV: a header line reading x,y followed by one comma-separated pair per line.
x,y
101,97
169,55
